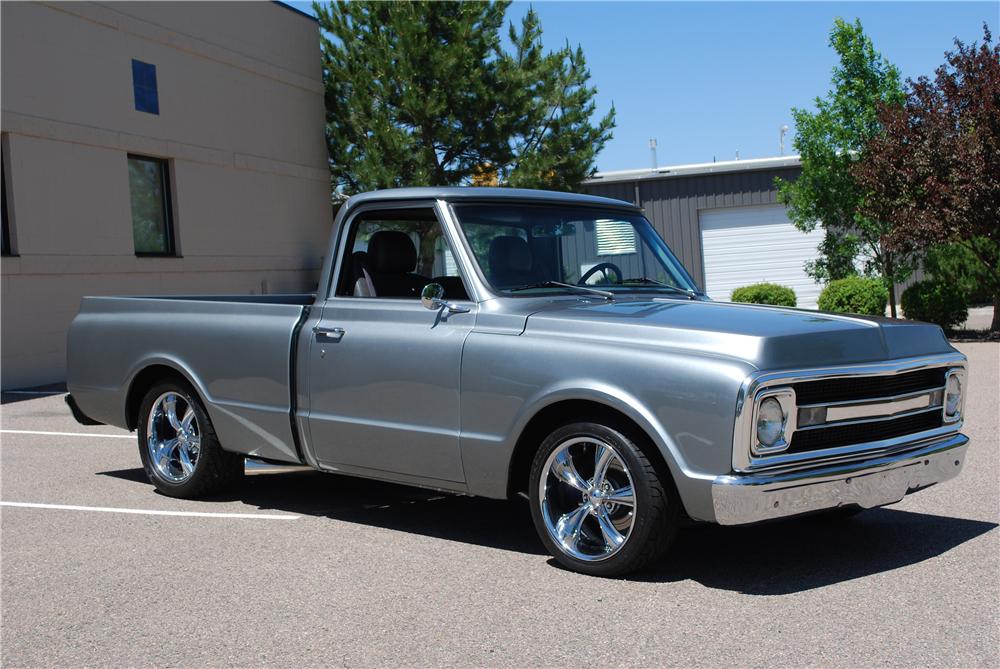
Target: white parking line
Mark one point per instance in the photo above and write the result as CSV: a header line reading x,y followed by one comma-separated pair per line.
x,y
31,392
150,512
70,434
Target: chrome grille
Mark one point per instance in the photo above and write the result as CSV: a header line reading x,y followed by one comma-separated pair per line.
x,y
836,436
867,387
850,412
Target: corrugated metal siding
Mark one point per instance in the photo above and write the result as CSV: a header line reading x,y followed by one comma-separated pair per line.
x,y
579,251
672,204
745,245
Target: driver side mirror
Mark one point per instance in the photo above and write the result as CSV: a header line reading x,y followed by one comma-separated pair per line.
x,y
432,297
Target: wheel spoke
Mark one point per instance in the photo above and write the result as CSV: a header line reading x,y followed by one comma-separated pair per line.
x,y
569,526
624,496
612,537
170,411
602,458
609,497
185,459
565,471
188,418
163,452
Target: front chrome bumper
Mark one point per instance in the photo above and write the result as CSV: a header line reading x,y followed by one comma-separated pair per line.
x,y
881,480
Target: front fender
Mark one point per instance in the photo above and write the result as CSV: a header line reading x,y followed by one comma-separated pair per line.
x,y
685,404
613,397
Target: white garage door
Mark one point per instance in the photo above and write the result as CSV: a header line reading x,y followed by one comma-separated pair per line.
x,y
745,245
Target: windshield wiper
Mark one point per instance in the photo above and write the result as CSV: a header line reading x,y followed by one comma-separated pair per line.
x,y
645,279
573,288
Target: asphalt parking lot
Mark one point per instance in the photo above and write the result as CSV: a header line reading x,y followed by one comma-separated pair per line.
x,y
309,569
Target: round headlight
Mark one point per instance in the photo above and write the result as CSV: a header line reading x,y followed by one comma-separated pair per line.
x,y
770,422
953,396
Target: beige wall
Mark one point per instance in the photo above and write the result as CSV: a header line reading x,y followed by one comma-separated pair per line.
x,y
241,123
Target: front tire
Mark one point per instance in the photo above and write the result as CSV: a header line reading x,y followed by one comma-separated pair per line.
x,y
598,503
178,447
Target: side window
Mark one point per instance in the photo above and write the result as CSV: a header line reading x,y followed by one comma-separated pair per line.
x,y
149,189
144,89
6,250
395,253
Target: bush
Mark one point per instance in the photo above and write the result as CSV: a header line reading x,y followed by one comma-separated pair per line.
x,y
944,304
855,295
765,293
957,264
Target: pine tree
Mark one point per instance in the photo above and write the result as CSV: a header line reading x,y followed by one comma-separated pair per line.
x,y
424,94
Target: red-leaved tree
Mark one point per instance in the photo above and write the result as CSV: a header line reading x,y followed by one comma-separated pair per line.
x,y
934,173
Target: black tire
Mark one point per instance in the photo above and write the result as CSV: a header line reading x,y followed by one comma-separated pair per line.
x,y
656,514
215,470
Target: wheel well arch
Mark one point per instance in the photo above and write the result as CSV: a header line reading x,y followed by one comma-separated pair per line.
x,y
143,381
565,411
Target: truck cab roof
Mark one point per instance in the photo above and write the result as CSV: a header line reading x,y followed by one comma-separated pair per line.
x,y
469,193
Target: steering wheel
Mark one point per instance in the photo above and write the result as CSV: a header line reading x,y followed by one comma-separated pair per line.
x,y
606,267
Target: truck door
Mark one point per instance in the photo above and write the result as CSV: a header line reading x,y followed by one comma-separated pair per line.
x,y
384,370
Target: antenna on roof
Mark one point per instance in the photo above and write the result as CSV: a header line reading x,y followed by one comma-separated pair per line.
x,y
652,152
781,139
737,154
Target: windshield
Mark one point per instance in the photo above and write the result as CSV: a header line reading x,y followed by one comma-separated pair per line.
x,y
526,249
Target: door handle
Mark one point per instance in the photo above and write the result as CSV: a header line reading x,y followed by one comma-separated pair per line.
x,y
328,334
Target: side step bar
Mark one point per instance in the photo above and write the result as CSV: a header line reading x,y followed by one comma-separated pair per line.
x,y
255,466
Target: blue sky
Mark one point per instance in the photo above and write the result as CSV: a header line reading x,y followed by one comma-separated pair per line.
x,y
707,79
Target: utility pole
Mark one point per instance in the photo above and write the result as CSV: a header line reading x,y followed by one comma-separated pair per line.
x,y
781,139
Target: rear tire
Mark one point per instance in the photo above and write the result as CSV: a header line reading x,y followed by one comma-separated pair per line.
x,y
598,503
178,447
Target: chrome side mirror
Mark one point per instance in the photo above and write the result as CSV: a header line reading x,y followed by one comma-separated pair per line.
x,y
432,297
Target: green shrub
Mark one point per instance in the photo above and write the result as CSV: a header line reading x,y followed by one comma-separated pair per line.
x,y
855,295
944,304
957,264
765,293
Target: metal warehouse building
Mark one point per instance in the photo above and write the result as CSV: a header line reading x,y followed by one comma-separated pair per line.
x,y
723,221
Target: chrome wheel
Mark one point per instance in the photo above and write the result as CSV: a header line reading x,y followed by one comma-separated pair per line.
x,y
587,499
173,437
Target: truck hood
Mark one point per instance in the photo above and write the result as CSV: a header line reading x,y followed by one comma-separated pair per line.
x,y
767,337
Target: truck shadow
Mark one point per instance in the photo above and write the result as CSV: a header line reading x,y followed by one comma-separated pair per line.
x,y
799,554
486,522
769,559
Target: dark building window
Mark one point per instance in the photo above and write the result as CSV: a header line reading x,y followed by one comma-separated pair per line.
x,y
149,186
144,87
6,219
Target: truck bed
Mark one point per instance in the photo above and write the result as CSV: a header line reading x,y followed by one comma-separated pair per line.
x,y
236,350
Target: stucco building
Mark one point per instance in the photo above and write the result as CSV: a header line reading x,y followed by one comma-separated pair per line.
x,y
154,148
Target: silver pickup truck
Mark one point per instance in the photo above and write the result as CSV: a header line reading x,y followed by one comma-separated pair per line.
x,y
499,342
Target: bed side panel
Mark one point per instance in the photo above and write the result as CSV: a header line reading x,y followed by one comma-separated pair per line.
x,y
235,353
